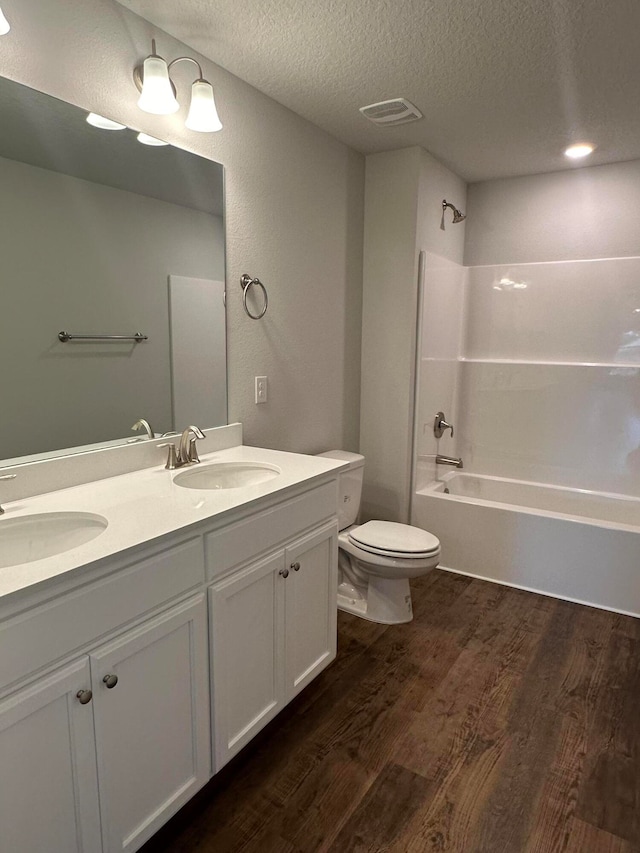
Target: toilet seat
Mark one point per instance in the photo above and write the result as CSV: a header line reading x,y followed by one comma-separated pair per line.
x,y
381,565
398,541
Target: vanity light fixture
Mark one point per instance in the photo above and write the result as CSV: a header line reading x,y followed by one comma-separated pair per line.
x,y
5,26
104,123
158,93
150,140
581,149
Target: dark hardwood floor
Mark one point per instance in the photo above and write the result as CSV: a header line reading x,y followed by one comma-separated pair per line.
x,y
498,721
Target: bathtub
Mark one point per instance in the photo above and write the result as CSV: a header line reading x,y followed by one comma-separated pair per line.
x,y
569,543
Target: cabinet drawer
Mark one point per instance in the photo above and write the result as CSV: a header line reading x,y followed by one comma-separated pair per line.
x,y
42,636
238,543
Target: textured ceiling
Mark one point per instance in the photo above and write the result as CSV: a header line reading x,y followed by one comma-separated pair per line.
x,y
504,85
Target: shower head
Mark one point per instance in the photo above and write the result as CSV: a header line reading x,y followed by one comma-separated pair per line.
x,y
457,215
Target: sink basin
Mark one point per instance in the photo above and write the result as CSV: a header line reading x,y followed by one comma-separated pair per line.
x,y
34,537
226,475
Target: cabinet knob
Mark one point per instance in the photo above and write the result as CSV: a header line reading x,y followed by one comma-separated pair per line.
x,y
284,573
110,681
295,567
84,696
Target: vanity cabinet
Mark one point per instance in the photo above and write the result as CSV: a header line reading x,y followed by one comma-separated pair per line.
x,y
48,776
112,745
114,682
273,629
151,710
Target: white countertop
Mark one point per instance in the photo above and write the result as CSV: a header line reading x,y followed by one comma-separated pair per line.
x,y
144,505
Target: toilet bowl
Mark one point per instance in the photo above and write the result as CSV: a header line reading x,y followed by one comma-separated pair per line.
x,y
377,559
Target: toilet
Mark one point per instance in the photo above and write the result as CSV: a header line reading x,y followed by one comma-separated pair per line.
x,y
377,559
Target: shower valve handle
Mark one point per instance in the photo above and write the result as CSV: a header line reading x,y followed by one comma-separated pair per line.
x,y
440,426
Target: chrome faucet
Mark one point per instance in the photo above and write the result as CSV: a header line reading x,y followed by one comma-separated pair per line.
x,y
186,453
145,425
449,460
6,477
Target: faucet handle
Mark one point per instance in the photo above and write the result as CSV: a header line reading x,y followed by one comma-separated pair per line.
x,y
193,451
440,425
172,456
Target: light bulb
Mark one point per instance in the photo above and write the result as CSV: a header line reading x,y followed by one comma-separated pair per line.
x,y
5,26
157,94
203,115
104,123
150,140
582,149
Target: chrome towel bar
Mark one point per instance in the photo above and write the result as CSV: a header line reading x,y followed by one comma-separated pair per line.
x,y
137,337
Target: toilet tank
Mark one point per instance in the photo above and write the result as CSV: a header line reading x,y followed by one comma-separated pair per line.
x,y
349,486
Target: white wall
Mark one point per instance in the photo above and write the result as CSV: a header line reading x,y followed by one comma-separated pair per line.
x,y
440,340
403,212
551,360
294,206
549,388
441,312
76,259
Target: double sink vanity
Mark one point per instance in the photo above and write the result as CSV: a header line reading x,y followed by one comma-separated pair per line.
x,y
151,623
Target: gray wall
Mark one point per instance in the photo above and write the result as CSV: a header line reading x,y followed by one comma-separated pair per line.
x,y
389,298
403,211
293,216
87,258
582,213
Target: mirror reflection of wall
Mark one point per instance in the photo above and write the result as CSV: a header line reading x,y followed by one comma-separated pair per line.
x,y
93,225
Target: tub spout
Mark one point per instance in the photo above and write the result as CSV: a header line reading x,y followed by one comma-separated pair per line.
x,y
449,460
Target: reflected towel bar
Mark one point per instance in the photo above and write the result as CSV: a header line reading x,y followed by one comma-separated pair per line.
x,y
137,337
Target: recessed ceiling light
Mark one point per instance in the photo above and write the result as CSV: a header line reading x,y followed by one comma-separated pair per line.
x,y
104,123
150,140
581,149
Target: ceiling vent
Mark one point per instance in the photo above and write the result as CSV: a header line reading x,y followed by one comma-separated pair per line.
x,y
388,113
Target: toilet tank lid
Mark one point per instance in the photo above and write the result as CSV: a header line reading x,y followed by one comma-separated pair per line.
x,y
355,460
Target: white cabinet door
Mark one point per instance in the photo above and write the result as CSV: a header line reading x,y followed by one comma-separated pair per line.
x,y
48,781
310,607
247,642
152,726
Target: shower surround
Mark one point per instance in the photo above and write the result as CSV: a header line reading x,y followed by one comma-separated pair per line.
x,y
538,367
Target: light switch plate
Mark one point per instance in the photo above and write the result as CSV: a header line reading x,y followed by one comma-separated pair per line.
x,y
261,389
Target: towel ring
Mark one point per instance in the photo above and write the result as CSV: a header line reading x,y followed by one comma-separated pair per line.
x,y
247,282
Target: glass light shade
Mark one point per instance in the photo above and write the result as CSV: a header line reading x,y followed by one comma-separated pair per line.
x,y
157,95
150,140
104,123
5,26
203,115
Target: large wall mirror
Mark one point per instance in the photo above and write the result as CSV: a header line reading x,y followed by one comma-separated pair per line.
x,y
104,236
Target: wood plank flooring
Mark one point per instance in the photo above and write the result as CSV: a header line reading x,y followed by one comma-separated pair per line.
x,y
498,721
